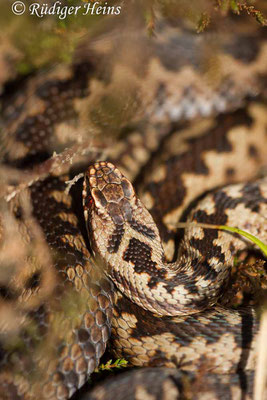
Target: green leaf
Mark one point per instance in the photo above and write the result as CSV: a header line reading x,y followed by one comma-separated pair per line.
x,y
119,363
247,235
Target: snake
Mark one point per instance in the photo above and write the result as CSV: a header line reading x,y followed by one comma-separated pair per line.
x,y
73,284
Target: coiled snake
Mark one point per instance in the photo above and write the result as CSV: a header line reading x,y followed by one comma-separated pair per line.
x,y
62,296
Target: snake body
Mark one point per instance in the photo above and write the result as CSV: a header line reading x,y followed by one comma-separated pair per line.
x,y
127,239
59,306
121,229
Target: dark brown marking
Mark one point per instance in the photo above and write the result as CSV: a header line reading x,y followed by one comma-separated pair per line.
x,y
143,229
139,254
205,246
115,239
252,197
100,197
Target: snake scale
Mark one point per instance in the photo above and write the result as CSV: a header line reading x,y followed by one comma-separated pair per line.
x,y
120,275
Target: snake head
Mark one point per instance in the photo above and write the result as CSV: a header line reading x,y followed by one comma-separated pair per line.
x,y
109,202
108,192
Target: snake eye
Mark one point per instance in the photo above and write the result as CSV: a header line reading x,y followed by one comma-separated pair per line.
x,y
88,201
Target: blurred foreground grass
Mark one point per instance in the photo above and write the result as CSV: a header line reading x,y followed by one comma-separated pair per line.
x,y
31,43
